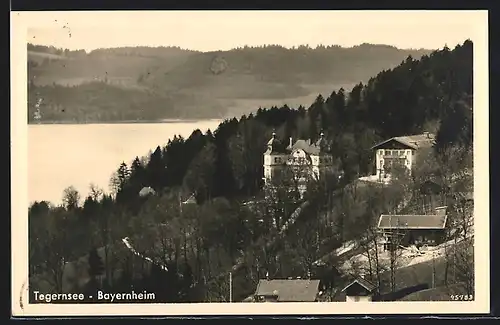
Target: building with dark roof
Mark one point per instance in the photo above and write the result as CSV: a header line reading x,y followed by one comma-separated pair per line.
x,y
305,157
359,290
292,290
428,229
400,151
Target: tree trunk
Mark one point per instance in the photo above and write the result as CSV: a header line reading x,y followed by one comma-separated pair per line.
x,y
446,265
370,270
185,247
377,265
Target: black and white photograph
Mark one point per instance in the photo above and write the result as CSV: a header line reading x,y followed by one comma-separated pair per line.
x,y
203,162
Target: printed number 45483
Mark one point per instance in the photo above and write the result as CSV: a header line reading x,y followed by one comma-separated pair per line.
x,y
462,297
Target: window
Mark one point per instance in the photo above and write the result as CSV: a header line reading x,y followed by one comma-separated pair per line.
x,y
356,298
276,160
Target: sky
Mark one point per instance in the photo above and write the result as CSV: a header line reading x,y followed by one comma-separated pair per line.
x,y
223,30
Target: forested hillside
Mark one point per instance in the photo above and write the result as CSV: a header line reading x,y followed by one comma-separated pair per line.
x,y
223,168
169,82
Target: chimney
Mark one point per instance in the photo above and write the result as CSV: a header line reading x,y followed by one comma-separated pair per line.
x,y
291,142
440,211
427,135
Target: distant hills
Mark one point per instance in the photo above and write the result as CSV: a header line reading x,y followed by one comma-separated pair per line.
x,y
151,83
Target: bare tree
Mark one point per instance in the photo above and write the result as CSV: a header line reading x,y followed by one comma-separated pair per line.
x,y
71,198
53,247
463,233
395,253
369,244
281,196
96,192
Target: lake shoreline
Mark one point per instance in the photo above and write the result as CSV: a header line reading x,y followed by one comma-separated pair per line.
x,y
64,154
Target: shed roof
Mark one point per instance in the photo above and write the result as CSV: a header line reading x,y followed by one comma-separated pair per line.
x,y
425,221
289,290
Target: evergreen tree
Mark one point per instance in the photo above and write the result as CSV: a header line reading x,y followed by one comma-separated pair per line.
x,y
155,170
95,269
96,266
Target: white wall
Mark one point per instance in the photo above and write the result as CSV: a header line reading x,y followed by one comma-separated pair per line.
x,y
410,155
358,298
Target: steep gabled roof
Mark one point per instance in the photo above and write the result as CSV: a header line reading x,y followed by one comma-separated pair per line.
x,y
362,282
289,290
309,147
274,146
393,221
416,141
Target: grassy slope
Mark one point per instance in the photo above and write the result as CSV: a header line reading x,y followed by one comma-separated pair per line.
x,y
441,293
119,69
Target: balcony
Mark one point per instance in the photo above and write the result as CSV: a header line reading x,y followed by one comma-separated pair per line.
x,y
395,156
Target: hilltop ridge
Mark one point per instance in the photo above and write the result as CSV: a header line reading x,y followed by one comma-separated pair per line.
x,y
170,82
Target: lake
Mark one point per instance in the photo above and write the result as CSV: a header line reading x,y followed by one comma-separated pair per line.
x,y
61,155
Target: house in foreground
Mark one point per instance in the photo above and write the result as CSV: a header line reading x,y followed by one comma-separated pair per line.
x,y
291,290
426,229
359,290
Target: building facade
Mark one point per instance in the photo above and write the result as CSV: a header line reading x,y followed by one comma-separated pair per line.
x,y
402,151
359,290
304,158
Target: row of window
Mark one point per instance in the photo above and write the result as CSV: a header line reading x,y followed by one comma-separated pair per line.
x,y
394,152
391,162
302,160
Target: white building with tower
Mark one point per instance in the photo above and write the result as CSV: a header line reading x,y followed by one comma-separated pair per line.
x,y
307,159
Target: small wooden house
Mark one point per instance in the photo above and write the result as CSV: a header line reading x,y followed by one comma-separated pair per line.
x,y
359,290
413,229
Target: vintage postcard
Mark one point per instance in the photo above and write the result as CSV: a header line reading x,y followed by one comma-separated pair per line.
x,y
204,162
